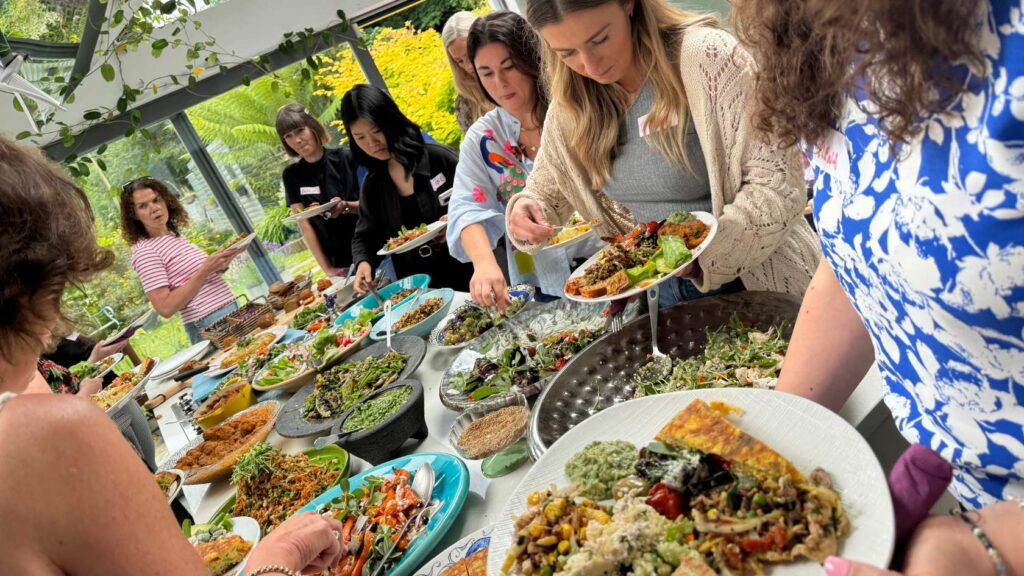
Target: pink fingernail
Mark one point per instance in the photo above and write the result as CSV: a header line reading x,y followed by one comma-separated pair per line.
x,y
835,566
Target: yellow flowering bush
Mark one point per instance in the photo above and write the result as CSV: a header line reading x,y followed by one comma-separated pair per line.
x,y
416,71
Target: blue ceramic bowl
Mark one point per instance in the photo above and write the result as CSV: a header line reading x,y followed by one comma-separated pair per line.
x,y
451,486
369,302
423,327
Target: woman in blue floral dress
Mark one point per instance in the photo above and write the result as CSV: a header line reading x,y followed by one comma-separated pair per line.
x,y
915,114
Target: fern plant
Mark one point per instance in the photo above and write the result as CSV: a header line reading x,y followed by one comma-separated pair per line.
x,y
273,228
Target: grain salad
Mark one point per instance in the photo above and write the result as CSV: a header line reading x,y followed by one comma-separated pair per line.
x,y
493,432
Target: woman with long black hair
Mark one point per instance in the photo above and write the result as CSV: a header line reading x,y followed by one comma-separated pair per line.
x,y
401,188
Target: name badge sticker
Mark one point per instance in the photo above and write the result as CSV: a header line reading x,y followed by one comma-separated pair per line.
x,y
645,130
309,191
832,157
437,181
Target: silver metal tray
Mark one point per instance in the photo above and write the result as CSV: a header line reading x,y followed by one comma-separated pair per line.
x,y
599,376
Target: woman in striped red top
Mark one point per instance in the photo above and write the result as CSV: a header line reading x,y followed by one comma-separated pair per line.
x,y
176,275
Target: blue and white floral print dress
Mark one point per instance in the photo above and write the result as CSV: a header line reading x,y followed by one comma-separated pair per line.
x,y
929,246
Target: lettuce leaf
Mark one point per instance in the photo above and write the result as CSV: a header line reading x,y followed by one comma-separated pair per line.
x,y
638,274
674,251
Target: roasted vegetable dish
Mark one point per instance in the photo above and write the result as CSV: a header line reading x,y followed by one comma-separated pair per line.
x,y
246,348
339,388
419,314
395,299
222,440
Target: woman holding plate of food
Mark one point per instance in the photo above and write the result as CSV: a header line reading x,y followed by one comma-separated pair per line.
x,y
495,159
176,275
400,192
649,117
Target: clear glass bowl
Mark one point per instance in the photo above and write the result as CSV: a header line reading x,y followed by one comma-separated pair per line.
x,y
503,438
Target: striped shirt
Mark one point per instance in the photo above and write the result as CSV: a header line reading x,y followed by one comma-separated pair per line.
x,y
168,262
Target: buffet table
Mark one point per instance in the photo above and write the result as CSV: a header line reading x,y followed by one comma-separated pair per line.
x,y
487,497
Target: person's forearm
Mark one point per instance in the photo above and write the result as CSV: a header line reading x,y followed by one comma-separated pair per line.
x,y
477,245
830,350
313,243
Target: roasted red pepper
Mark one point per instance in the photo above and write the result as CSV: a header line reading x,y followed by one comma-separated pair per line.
x,y
665,500
652,227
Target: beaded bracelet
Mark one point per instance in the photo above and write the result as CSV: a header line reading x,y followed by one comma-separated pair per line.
x,y
997,559
274,569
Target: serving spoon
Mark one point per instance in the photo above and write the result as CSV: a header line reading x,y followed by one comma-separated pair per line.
x,y
423,486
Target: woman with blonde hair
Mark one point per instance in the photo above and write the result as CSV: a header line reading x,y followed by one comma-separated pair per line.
x,y
470,101
650,115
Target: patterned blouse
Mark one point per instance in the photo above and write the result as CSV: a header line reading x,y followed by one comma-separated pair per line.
x,y
60,379
929,247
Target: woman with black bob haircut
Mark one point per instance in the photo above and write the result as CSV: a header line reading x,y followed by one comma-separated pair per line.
x,y
405,176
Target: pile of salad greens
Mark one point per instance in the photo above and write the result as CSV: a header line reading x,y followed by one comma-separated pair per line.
x,y
338,389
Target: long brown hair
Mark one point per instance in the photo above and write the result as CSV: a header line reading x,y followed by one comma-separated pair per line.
x,y
595,111
466,84
46,241
512,30
131,228
813,53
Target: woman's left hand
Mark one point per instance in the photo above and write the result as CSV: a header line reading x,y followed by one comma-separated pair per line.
x,y
103,349
90,386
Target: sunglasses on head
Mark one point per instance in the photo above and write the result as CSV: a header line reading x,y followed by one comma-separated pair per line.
x,y
129,186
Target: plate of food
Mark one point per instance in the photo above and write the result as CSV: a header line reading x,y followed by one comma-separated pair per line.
x,y
355,502
469,320
132,327
721,480
170,482
239,241
417,316
267,478
334,344
98,369
316,407
125,386
170,365
314,209
211,456
247,352
409,239
524,355
291,370
650,254
224,543
467,557
234,396
308,315
397,292
575,231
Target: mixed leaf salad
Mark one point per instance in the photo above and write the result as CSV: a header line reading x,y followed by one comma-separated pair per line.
x,y
406,235
296,359
338,389
308,315
329,342
469,321
86,369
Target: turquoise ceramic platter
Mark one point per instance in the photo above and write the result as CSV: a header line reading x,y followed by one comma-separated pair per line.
x,y
369,302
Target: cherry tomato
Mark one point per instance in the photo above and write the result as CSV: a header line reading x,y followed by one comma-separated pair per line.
x,y
559,363
652,227
665,500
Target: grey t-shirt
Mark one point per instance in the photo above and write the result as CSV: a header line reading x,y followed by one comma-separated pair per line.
x,y
643,181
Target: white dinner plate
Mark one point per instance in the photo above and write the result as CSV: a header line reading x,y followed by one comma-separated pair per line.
x,y
432,231
117,356
216,370
572,241
171,365
807,434
242,244
457,559
129,330
138,387
704,217
314,211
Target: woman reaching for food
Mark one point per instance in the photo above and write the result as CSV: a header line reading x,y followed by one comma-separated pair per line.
x,y
176,275
405,176
84,480
470,101
909,108
649,116
319,176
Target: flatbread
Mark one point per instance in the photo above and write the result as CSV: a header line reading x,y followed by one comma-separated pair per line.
x,y
703,428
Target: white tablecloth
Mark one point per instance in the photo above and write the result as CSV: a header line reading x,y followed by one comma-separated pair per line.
x,y
487,496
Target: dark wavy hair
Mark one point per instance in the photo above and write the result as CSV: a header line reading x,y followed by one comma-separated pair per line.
x,y
513,31
294,116
46,242
131,228
405,142
813,53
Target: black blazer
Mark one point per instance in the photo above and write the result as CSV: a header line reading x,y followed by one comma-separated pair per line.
x,y
380,214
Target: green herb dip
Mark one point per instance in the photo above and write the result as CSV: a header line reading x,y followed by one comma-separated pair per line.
x,y
600,465
373,412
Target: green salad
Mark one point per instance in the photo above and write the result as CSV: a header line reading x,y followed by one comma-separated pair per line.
x,y
293,362
372,412
341,387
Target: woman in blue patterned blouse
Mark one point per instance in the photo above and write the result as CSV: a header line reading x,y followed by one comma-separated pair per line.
x,y
915,110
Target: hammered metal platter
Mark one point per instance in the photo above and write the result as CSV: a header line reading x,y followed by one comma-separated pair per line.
x,y
599,377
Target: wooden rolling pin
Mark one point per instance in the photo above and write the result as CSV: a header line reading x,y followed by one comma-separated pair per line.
x,y
170,391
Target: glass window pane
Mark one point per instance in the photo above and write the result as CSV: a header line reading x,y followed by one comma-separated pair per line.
x,y
238,130
47,20
115,297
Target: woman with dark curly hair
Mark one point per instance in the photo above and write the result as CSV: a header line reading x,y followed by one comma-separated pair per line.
x,y
176,275
60,455
915,114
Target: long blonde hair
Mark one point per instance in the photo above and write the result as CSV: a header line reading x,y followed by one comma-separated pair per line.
x,y
466,84
595,111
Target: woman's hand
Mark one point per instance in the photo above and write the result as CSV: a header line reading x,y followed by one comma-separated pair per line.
x,y
364,276
488,287
103,349
307,542
527,222
89,386
219,261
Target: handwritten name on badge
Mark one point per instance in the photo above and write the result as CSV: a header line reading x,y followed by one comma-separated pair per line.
x,y
438,181
832,157
309,190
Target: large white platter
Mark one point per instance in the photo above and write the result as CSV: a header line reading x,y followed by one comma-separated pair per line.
x,y
432,231
704,217
808,434
169,366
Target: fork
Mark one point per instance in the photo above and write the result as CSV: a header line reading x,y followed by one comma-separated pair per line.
x,y
652,306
